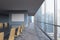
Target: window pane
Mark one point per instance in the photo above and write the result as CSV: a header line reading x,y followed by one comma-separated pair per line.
x,y
58,19
58,12
49,14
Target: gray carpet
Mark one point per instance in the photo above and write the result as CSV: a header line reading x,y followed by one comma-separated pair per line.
x,y
30,33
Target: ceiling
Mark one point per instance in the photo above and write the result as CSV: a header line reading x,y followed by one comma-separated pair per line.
x,y
30,5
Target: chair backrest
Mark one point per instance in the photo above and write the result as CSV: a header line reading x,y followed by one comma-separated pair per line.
x,y
22,28
1,25
12,34
19,31
1,35
5,24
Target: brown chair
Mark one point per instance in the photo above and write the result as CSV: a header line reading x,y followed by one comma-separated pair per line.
x,y
18,31
5,24
1,25
12,34
1,35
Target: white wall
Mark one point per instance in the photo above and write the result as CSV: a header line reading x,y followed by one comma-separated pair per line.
x,y
17,17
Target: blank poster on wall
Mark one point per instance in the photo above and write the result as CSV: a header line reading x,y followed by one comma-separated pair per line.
x,y
17,17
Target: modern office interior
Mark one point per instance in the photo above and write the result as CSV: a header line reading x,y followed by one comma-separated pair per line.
x,y
29,19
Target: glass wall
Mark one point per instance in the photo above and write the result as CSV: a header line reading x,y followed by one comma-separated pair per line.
x,y
48,18
44,17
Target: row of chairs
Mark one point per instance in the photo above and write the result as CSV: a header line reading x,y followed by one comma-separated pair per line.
x,y
12,33
3,25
